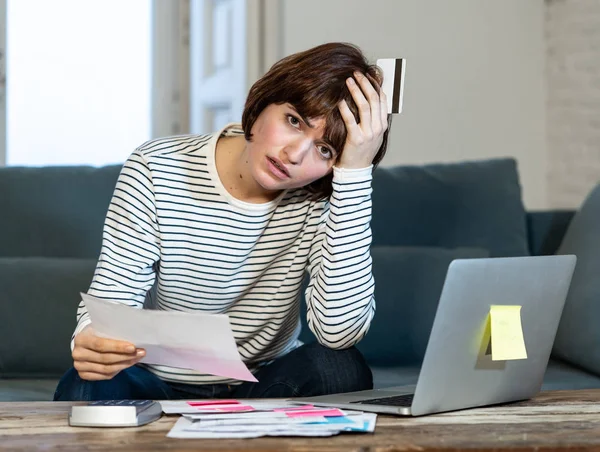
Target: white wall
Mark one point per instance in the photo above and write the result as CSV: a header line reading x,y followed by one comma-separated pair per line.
x,y
475,77
2,83
573,34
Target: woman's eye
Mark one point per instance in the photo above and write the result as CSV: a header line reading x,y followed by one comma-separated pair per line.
x,y
325,152
293,121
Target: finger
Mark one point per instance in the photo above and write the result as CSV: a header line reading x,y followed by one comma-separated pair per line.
x,y
364,109
349,119
84,354
102,369
368,84
383,109
91,376
103,345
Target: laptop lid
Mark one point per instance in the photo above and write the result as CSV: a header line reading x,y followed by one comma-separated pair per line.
x,y
458,370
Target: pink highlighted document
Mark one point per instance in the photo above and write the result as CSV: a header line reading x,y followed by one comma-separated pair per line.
x,y
189,340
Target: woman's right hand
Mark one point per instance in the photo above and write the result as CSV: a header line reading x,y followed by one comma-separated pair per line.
x,y
98,358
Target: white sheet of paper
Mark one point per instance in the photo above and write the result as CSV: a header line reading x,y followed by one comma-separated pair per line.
x,y
208,424
292,425
238,416
369,420
189,340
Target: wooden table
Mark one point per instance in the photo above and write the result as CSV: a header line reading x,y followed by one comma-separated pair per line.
x,y
554,420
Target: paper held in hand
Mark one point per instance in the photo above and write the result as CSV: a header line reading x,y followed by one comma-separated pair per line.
x,y
189,340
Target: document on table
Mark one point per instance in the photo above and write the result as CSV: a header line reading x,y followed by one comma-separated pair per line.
x,y
250,418
189,340
263,419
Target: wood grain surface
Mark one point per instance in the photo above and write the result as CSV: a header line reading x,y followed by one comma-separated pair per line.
x,y
553,421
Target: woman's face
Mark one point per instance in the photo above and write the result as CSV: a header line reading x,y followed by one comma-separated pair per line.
x,y
288,151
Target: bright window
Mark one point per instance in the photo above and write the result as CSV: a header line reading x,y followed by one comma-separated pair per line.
x,y
78,80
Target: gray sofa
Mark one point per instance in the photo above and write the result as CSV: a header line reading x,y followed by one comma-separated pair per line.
x,y
423,217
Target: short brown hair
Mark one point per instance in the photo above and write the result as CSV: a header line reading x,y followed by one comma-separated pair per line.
x,y
314,82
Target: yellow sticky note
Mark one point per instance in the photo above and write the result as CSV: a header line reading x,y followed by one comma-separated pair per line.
x,y
506,332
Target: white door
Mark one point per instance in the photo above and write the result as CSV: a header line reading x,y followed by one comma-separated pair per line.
x,y
224,60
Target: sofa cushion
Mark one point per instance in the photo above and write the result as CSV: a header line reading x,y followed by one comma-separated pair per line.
x,y
26,390
408,284
387,377
558,376
578,337
468,204
563,376
54,211
38,305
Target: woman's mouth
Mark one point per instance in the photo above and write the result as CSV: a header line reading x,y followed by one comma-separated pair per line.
x,y
277,168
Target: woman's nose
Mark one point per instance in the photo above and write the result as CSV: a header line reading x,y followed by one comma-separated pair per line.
x,y
296,151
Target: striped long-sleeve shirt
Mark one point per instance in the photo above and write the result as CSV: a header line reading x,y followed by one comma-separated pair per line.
x,y
171,224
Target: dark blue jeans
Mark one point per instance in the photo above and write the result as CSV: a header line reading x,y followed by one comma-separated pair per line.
x,y
307,371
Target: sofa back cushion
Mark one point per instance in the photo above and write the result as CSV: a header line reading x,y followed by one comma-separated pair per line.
x,y
578,337
54,211
467,204
38,307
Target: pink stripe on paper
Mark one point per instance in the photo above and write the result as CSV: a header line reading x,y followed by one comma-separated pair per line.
x,y
213,402
330,412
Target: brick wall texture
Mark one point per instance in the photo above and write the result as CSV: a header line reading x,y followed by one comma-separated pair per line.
x,y
573,114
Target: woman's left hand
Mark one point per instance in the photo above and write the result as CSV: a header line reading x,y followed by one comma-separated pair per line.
x,y
364,139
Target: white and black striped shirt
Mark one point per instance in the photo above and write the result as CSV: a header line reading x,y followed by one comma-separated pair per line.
x,y
171,222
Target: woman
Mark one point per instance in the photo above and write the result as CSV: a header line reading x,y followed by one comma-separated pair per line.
x,y
230,222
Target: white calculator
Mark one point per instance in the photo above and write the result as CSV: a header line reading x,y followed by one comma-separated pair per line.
x,y
115,413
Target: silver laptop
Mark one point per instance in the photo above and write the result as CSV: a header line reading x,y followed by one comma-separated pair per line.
x,y
458,371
